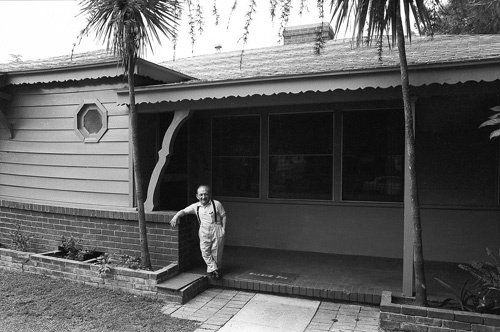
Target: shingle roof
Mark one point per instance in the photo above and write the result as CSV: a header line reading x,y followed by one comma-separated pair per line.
x,y
80,66
65,61
338,56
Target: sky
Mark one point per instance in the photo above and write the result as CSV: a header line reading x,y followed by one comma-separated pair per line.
x,y
35,29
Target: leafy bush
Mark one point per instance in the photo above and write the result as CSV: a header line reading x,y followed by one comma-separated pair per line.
x,y
20,241
488,274
107,261
131,262
494,120
104,262
72,248
483,294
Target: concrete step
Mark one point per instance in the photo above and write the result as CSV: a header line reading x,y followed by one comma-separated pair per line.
x,y
183,287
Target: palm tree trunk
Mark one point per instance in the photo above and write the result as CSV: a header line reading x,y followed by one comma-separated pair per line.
x,y
145,257
418,257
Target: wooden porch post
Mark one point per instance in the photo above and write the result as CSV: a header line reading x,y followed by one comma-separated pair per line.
x,y
163,157
408,271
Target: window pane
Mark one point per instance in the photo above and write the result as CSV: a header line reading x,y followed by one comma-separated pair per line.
x,y
309,133
92,121
236,176
236,136
236,156
373,156
301,177
301,156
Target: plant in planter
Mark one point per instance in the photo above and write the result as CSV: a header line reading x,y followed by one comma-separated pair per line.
x,y
132,262
483,294
20,241
104,263
72,248
107,261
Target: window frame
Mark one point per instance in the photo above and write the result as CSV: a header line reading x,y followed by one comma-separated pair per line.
x,y
79,123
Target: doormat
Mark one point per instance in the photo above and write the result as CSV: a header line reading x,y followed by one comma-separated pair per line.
x,y
268,276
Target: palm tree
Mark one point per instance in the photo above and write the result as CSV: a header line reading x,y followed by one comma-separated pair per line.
x,y
127,27
371,19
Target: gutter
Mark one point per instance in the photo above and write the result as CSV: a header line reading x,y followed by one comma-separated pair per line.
x,y
381,77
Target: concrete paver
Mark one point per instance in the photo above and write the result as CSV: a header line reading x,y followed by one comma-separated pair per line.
x,y
226,310
273,313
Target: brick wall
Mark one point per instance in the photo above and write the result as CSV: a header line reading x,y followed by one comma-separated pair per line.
x,y
404,317
137,282
108,231
306,33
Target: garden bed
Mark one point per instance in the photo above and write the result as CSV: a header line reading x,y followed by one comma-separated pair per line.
x,y
138,282
398,314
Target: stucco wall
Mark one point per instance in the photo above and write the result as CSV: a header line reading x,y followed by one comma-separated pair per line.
x,y
449,235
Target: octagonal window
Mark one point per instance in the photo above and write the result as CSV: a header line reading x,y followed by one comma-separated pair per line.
x,y
91,121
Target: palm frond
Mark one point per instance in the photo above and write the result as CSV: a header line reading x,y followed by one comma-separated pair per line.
x,y
369,20
129,27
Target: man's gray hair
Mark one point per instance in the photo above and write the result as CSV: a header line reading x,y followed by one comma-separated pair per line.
x,y
207,187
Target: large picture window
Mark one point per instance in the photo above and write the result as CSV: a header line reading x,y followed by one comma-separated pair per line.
x,y
373,156
236,156
301,156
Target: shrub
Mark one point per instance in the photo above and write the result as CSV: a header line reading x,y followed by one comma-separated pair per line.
x,y
20,241
72,248
483,294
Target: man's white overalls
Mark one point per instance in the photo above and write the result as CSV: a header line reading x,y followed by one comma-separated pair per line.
x,y
211,232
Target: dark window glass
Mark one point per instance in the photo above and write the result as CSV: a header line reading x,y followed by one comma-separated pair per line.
x,y
373,156
300,156
236,156
305,133
457,163
92,121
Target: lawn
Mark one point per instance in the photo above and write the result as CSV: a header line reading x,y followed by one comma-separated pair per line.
x,y
30,302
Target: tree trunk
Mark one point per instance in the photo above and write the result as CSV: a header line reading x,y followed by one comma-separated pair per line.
x,y
145,257
418,257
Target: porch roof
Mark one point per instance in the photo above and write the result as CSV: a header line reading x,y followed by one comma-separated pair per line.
x,y
296,69
80,66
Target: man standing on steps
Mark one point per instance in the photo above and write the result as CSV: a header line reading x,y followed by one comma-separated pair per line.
x,y
212,219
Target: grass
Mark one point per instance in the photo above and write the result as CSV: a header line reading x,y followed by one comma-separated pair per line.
x,y
30,302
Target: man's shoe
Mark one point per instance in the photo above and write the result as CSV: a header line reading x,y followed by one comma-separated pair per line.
x,y
217,274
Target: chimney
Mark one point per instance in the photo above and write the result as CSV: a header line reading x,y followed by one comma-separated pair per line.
x,y
306,33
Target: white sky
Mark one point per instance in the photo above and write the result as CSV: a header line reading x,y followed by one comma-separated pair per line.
x,y
44,28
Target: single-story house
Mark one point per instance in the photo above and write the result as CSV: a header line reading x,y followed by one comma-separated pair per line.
x,y
306,151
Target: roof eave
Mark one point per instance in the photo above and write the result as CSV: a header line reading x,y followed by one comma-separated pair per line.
x,y
421,74
109,68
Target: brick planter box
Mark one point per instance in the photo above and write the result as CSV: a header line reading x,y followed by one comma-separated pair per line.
x,y
111,231
14,260
406,317
137,282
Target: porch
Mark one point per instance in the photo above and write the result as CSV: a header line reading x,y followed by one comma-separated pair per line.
x,y
326,276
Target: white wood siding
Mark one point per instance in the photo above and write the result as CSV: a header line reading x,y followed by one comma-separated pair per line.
x,y
46,160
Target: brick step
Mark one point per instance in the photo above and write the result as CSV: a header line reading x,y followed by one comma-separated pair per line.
x,y
183,287
312,290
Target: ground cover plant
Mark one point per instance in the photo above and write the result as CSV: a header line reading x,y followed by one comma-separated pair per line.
x,y
482,292
30,302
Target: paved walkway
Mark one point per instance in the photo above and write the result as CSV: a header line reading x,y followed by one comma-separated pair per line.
x,y
228,310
